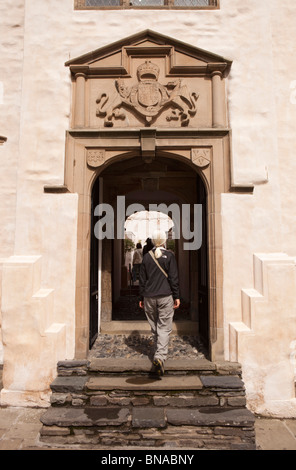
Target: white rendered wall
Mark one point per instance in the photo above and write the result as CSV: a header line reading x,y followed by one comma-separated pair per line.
x,y
259,38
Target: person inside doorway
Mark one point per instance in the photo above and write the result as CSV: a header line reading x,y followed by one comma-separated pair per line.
x,y
159,295
137,261
149,245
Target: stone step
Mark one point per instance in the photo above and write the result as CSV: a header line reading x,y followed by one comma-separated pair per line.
x,y
134,390
144,383
105,401
69,384
112,416
144,365
204,428
77,384
147,417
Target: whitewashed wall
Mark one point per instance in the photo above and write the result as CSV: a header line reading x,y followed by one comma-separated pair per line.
x,y
35,112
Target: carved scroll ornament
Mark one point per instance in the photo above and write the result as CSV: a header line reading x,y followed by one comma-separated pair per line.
x,y
148,98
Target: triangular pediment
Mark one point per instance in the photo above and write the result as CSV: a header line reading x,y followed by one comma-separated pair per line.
x,y
181,58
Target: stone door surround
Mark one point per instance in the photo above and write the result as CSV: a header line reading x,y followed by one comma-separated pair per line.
x,y
90,152
144,97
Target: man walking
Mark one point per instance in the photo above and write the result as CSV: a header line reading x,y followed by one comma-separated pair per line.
x,y
159,295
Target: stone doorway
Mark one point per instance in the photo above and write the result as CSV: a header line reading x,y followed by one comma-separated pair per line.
x,y
165,183
176,116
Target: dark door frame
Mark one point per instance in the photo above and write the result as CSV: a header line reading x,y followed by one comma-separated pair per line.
x,y
201,258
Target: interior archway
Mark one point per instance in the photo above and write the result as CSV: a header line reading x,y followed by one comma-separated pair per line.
x,y
138,232
139,227
167,182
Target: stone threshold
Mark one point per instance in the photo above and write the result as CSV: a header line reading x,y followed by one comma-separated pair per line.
x,y
145,365
115,365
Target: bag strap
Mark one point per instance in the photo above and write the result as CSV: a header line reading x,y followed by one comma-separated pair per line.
x,y
155,260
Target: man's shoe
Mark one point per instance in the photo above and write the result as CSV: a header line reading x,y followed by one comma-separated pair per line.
x,y
159,367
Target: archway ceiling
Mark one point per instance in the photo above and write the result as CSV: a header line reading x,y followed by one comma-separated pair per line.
x,y
136,165
164,180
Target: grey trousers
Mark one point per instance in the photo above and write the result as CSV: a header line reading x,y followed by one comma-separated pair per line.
x,y
160,312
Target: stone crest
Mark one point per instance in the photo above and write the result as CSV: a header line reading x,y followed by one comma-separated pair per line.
x,y
95,157
201,157
148,98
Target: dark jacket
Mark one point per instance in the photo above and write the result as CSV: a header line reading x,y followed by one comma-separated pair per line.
x,y
152,280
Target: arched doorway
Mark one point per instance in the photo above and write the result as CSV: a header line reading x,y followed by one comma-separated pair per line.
x,y
188,127
166,184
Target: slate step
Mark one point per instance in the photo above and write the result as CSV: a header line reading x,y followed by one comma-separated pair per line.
x,y
134,390
144,383
147,417
88,416
128,383
116,401
144,365
208,428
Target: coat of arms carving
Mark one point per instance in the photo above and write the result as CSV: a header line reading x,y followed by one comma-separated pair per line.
x,y
95,157
148,98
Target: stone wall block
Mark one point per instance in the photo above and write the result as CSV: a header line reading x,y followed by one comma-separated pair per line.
x,y
261,341
33,342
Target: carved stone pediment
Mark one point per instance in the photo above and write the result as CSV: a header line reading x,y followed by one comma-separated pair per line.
x,y
146,79
148,98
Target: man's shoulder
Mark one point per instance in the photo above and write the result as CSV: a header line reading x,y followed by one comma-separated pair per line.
x,y
167,254
170,252
164,253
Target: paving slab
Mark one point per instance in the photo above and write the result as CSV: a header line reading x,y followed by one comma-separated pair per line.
x,y
275,434
144,383
19,427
